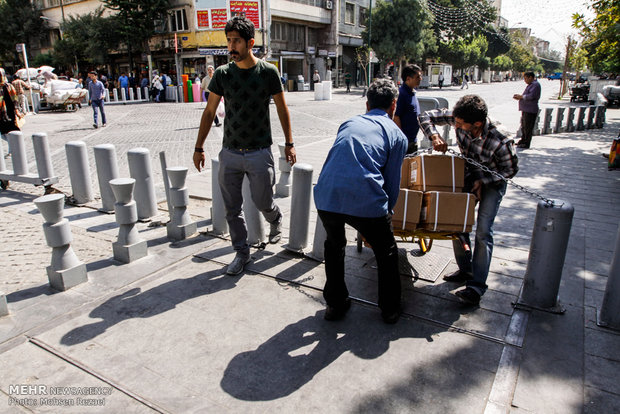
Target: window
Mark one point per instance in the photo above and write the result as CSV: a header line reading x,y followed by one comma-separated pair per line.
x,y
349,13
178,21
363,16
276,33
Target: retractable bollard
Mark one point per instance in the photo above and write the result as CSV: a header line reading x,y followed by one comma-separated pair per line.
x,y
4,308
590,121
283,187
42,156
107,169
318,91
115,94
65,270
253,217
599,117
218,209
609,314
18,153
537,124
547,121
559,118
318,244
546,259
581,113
140,169
570,119
180,226
300,208
79,172
128,246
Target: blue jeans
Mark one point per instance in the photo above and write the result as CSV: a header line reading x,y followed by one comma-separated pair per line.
x,y
98,103
478,264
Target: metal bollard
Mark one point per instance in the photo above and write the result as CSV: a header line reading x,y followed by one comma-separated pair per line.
x,y
140,169
253,217
4,308
590,121
609,313
18,152
546,259
559,118
42,155
581,113
570,121
180,95
283,188
65,270
599,117
128,246
218,210
107,169
79,172
180,226
318,244
547,121
300,208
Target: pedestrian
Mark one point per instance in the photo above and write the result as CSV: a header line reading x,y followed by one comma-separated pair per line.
x,y
144,83
528,105
165,81
20,87
205,88
132,81
347,80
316,78
465,81
96,91
359,185
440,80
478,139
156,88
408,107
246,83
9,108
123,83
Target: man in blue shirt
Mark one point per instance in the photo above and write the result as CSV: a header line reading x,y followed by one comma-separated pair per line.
x,y
96,92
359,186
123,83
408,107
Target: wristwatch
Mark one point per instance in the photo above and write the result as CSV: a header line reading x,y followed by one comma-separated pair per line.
x,y
289,144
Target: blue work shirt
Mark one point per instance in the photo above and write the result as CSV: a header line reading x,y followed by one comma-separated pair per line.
x,y
361,176
96,90
408,109
123,81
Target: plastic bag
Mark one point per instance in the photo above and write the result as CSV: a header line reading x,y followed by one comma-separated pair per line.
x,y
221,110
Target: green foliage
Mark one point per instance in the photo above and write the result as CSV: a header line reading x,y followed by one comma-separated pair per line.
x,y
499,42
463,53
501,63
21,22
521,53
601,36
42,59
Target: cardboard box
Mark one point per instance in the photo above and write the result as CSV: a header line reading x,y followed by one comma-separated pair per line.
x,y
443,211
407,210
433,173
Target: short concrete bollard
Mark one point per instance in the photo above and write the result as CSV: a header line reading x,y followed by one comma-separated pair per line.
x,y
45,175
65,270
79,172
590,121
129,246
36,103
107,169
115,94
253,217
146,93
327,90
599,117
4,307
138,94
218,210
609,314
283,187
180,226
581,113
318,91
131,96
570,120
42,156
123,95
300,208
537,124
140,169
318,244
107,95
547,121
546,259
18,153
559,118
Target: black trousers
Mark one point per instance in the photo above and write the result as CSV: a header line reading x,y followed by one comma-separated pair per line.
x,y
378,233
527,127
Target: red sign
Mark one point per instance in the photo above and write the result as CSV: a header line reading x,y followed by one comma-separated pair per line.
x,y
203,18
248,9
219,17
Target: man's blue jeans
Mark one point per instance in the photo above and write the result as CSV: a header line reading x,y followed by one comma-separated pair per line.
x,y
98,104
478,265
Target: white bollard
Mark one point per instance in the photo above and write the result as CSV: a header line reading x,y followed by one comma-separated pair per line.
x,y
18,152
42,155
180,226
138,94
107,169
115,92
2,163
283,187
123,95
140,169
300,208
4,308
131,97
253,217
36,103
559,118
65,270
128,246
107,95
609,313
318,91
218,210
327,90
318,244
79,172
146,94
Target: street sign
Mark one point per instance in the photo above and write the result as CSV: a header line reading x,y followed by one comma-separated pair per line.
x,y
20,47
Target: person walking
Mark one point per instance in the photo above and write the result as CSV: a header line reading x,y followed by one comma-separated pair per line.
x,y
408,107
480,140
247,84
440,80
156,87
359,185
123,83
20,87
465,81
96,91
205,88
528,105
347,80
316,78
9,110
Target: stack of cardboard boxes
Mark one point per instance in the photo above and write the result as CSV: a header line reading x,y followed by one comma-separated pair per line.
x,y
431,196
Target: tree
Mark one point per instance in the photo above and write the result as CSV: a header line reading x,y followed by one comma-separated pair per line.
x,y
601,36
521,53
501,63
463,53
21,23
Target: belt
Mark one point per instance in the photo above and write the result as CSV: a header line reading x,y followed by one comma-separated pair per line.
x,y
245,150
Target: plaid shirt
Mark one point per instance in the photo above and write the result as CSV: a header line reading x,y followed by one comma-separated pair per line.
x,y
491,149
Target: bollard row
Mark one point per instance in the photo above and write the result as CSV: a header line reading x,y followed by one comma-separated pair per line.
x,y
577,119
20,171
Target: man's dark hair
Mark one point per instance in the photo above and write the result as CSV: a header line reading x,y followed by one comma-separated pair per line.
x,y
470,108
529,74
381,94
409,70
241,24
92,72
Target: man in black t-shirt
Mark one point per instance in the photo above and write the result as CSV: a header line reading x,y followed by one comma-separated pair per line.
x,y
247,85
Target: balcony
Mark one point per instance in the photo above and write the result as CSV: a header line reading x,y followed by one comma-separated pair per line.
x,y
303,10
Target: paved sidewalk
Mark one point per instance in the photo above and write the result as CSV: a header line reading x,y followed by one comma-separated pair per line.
x,y
172,333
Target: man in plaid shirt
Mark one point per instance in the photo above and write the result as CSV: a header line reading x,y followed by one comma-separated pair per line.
x,y
479,140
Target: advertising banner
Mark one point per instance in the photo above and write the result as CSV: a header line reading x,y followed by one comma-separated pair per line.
x,y
213,14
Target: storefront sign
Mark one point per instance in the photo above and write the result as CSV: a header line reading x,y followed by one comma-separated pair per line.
x,y
249,9
331,54
213,14
322,52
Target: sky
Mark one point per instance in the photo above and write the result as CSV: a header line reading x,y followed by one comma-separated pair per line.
x,y
549,20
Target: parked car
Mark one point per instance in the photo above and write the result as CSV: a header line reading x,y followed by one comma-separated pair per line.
x,y
556,75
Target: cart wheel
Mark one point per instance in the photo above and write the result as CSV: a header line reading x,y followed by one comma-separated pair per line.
x,y
425,244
